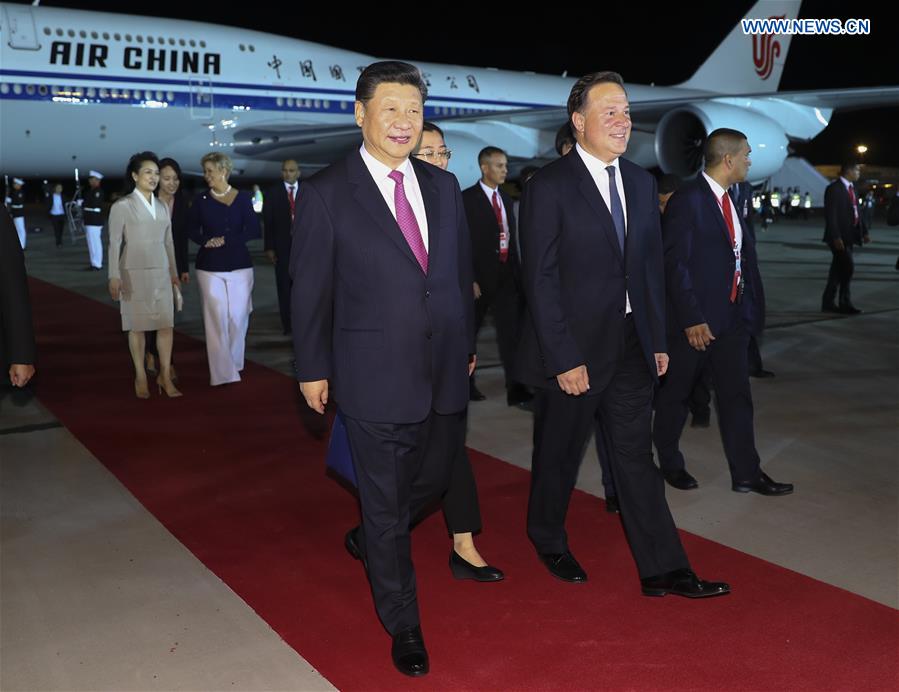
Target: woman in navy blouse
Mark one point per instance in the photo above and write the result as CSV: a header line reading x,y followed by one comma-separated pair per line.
x,y
221,222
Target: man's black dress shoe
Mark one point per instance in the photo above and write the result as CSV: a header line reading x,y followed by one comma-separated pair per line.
x,y
612,506
829,307
408,652
463,569
701,418
680,479
563,566
848,309
763,486
352,544
682,582
474,394
761,373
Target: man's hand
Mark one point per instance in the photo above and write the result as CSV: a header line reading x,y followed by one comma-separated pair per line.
x,y
20,373
575,381
866,239
661,363
477,290
272,257
115,288
472,362
315,394
838,245
185,278
699,336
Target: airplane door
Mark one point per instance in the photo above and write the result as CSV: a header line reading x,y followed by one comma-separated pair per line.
x,y
200,99
20,21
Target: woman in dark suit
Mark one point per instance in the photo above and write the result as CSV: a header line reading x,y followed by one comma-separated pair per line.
x,y
169,193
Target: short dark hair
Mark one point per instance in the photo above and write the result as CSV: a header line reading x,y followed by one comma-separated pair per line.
x,y
721,142
846,165
668,183
169,162
134,164
389,72
487,152
577,99
431,127
564,136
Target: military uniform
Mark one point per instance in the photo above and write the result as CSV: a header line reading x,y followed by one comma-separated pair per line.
x,y
92,207
17,211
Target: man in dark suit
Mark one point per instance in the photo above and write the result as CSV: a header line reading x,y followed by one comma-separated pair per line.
x,y
491,221
715,302
16,332
593,276
383,317
844,227
278,214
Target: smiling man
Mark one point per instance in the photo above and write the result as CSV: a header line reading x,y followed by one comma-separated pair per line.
x,y
383,324
594,278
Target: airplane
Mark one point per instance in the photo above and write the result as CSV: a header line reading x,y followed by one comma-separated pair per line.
x,y
87,89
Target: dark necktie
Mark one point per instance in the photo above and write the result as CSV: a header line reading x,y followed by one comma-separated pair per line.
x,y
616,208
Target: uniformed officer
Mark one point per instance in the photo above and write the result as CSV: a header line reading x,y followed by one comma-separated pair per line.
x,y
93,219
17,208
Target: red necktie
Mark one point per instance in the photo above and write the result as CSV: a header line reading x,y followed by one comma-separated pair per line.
x,y
503,235
292,201
854,203
726,210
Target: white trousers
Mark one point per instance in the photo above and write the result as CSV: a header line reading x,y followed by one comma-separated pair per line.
x,y
95,245
227,304
19,221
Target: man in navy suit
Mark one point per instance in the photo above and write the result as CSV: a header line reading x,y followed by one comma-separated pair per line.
x,y
715,302
278,214
595,344
383,323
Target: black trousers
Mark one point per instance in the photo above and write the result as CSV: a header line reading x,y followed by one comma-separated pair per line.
x,y
562,426
842,267
282,283
401,469
460,504
59,223
505,302
603,452
701,397
726,359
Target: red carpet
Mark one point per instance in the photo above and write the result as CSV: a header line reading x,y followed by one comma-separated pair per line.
x,y
233,474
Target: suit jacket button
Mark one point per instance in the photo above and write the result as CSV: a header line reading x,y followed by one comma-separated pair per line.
x,y
427,294
428,334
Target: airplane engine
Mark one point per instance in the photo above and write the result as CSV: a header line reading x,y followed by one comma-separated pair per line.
x,y
681,136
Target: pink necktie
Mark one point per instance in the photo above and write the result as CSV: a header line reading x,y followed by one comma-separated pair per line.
x,y
405,218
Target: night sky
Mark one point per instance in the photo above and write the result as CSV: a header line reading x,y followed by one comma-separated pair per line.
x,y
664,48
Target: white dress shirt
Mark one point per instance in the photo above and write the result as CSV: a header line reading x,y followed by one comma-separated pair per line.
x,y
600,175
380,172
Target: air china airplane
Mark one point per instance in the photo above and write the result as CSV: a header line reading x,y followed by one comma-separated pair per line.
x,y
85,89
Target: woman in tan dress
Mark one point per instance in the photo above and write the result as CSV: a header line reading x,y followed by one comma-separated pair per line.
x,y
143,271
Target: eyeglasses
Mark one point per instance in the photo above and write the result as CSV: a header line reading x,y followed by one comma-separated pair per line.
x,y
429,154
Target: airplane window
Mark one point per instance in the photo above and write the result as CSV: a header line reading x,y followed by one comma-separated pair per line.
x,y
290,103
4,88
182,42
343,105
104,93
82,33
91,93
71,33
47,31
118,37
95,35
150,39
139,39
30,89
17,88
161,40
128,37
318,104
252,49
54,90
105,35
115,93
59,32
42,90
126,93
170,95
171,41
279,101
193,44
202,44
327,105
159,96
242,48
148,95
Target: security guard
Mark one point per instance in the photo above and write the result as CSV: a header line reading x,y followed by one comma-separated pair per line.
x,y
93,219
17,208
